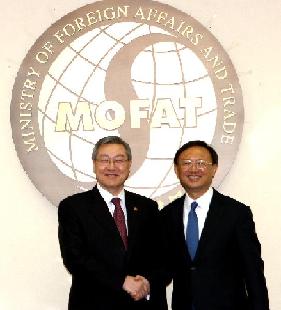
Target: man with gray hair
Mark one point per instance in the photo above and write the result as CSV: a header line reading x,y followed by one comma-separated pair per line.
x,y
108,238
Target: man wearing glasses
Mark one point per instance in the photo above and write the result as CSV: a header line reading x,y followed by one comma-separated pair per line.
x,y
211,249
108,238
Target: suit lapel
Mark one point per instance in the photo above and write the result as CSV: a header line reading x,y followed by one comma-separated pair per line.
x,y
179,226
99,209
212,221
178,219
132,216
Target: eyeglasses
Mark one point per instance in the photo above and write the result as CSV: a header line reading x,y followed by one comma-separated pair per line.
x,y
199,164
106,161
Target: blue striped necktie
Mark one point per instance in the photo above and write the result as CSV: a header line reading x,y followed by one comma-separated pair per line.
x,y
192,233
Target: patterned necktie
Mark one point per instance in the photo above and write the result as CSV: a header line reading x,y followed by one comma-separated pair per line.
x,y
192,233
119,219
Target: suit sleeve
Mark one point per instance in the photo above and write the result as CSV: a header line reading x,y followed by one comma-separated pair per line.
x,y
75,254
146,245
166,247
250,252
151,258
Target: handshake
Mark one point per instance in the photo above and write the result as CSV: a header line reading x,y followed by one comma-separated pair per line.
x,y
138,287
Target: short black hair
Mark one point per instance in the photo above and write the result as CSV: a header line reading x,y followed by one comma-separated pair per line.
x,y
200,143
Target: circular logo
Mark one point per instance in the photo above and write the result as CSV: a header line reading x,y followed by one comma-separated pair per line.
x,y
144,71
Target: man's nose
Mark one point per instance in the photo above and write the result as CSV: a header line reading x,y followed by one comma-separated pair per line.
x,y
111,164
193,167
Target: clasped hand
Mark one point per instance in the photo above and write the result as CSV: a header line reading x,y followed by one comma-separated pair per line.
x,y
138,287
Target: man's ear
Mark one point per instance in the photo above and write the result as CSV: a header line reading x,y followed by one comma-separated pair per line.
x,y
130,164
215,168
176,170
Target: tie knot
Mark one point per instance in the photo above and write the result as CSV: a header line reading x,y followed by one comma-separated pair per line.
x,y
116,201
194,205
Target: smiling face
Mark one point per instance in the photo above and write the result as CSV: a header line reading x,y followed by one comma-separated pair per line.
x,y
112,167
196,180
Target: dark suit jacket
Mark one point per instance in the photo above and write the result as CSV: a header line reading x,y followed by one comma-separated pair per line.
x,y
93,251
227,271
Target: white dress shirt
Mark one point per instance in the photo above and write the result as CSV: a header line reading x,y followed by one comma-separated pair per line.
x,y
201,210
107,196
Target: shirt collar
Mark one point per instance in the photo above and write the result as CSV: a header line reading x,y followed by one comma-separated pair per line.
x,y
203,200
107,196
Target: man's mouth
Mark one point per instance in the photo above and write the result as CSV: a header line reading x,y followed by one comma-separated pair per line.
x,y
111,175
194,178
